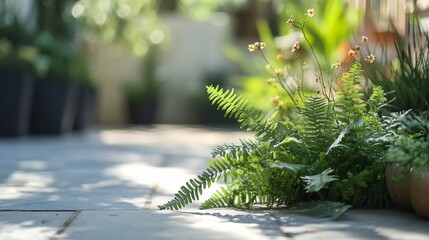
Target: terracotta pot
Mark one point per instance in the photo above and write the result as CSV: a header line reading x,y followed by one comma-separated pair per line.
x,y
398,184
419,190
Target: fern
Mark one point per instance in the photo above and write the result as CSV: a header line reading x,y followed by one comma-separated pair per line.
x,y
316,182
243,192
192,190
223,198
349,101
328,154
316,125
377,100
235,106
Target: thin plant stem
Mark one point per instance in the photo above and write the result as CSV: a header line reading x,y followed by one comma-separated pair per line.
x,y
302,78
279,79
318,63
331,92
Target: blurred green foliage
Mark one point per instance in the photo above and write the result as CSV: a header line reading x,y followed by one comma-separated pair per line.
x,y
406,75
333,24
16,48
331,27
58,39
50,45
410,143
134,24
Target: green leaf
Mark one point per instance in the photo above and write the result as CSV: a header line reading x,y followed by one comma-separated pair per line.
x,y
290,166
356,123
319,181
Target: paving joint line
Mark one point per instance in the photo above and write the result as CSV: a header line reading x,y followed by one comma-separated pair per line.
x,y
166,158
148,202
66,224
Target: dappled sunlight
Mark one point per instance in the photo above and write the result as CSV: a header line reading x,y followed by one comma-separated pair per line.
x,y
25,230
164,180
238,225
141,174
174,225
23,184
355,224
15,225
101,184
171,136
139,202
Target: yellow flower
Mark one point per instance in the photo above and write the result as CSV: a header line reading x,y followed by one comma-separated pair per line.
x,y
345,74
310,12
370,58
290,20
352,53
296,46
364,39
279,105
279,56
275,99
277,72
336,65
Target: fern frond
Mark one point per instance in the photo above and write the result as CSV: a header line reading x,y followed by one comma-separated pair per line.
x,y
319,181
356,123
288,166
247,190
317,125
377,99
192,190
222,198
235,106
244,149
349,101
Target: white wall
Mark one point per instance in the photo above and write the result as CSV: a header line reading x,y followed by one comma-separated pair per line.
x,y
196,48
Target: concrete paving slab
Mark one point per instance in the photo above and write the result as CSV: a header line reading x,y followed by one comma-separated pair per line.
x,y
356,224
17,225
191,224
117,177
103,169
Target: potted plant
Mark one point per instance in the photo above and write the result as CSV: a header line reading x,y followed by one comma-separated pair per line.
x,y
17,56
56,94
56,91
86,102
406,77
328,156
406,74
143,98
410,153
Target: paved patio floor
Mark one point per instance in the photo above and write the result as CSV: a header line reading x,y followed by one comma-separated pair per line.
x,y
106,184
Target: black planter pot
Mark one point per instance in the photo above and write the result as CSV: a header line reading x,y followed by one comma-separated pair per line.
x,y
142,111
86,108
54,107
16,95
